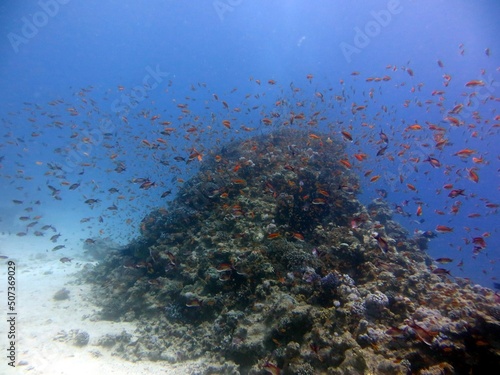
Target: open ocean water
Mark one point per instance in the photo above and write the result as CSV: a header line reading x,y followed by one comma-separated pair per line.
x,y
110,108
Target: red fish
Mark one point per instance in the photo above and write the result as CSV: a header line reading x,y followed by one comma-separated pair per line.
x,y
443,229
456,192
473,176
347,135
474,83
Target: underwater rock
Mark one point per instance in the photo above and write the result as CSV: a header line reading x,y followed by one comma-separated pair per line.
x,y
375,303
81,338
61,294
266,260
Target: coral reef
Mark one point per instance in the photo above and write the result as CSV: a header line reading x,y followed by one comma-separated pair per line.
x,y
266,262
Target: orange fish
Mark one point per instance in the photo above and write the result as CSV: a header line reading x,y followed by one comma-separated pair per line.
x,y
477,160
411,187
453,120
443,229
474,83
414,127
473,176
318,201
274,235
361,156
345,163
298,237
375,178
272,369
323,193
465,152
347,135
239,181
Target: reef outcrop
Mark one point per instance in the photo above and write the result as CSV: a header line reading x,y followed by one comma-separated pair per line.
x,y
267,262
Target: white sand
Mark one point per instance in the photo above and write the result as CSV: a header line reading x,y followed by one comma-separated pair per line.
x,y
39,274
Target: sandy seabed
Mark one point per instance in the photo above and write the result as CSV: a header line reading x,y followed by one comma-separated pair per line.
x,y
44,325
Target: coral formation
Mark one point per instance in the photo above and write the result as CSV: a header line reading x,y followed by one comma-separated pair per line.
x,y
266,261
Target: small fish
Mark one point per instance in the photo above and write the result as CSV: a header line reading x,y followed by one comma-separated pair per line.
x,y
345,163
443,229
414,127
384,137
456,192
441,271
347,135
473,176
65,260
58,247
423,335
319,201
166,193
271,369
479,241
146,185
465,152
474,83
381,151
444,260
224,267
435,163
382,243
361,156
171,258
195,302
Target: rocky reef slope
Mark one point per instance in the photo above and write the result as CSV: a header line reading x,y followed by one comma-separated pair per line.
x,y
266,262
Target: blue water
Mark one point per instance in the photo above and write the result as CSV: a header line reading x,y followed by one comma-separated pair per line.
x,y
83,81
